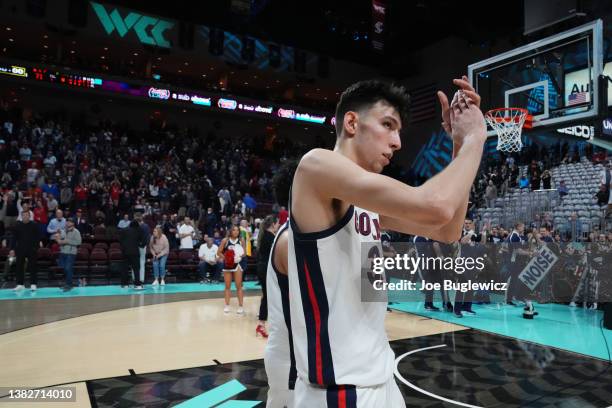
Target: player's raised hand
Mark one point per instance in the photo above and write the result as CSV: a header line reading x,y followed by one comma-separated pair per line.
x,y
467,89
466,120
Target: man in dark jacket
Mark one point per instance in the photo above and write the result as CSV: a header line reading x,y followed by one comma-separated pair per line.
x,y
169,227
26,241
130,239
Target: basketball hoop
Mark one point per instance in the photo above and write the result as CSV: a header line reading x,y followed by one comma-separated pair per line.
x,y
508,123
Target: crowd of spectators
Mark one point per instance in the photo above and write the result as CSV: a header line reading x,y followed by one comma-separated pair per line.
x,y
104,178
104,174
543,229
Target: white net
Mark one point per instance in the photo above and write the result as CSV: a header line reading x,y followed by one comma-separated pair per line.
x,y
508,124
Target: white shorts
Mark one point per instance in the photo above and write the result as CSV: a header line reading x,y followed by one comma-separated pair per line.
x,y
277,371
385,395
279,398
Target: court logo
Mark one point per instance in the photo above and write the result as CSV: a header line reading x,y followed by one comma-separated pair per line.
x,y
150,30
220,397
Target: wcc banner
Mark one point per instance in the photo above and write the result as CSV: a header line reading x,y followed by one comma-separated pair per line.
x,y
546,272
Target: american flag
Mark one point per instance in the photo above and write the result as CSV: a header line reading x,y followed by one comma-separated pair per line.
x,y
577,97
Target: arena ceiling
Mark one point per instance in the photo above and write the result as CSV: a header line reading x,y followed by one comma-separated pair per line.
x,y
342,28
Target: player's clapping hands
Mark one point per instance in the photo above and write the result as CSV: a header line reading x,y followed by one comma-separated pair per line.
x,y
466,104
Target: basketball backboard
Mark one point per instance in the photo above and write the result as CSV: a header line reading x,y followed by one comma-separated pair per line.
x,y
556,79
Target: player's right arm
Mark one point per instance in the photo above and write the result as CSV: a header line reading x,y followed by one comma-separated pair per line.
x,y
333,176
425,210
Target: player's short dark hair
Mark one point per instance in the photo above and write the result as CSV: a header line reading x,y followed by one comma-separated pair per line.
x,y
365,94
282,180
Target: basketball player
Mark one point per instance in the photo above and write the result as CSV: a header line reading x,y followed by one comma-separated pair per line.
x,y
339,200
279,359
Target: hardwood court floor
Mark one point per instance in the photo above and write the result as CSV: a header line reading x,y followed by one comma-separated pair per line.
x,y
20,314
149,339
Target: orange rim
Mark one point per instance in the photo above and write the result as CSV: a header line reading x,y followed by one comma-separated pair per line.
x,y
491,114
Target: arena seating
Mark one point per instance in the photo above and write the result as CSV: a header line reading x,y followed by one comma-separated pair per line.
x,y
583,180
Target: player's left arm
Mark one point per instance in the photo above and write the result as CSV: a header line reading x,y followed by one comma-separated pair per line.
x,y
401,225
465,87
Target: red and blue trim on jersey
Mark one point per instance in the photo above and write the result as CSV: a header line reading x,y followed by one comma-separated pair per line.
x,y
342,396
314,298
316,313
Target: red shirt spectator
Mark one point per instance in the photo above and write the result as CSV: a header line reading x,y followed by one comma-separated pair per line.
x,y
115,192
80,193
41,215
35,192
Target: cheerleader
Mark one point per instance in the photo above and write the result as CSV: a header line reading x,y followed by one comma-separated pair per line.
x,y
232,252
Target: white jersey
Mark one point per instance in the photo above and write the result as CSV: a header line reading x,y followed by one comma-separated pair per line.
x,y
338,339
278,356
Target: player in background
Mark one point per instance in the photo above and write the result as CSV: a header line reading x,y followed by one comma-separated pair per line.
x,y
279,359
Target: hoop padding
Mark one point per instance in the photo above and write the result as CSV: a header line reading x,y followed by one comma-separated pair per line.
x,y
508,124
